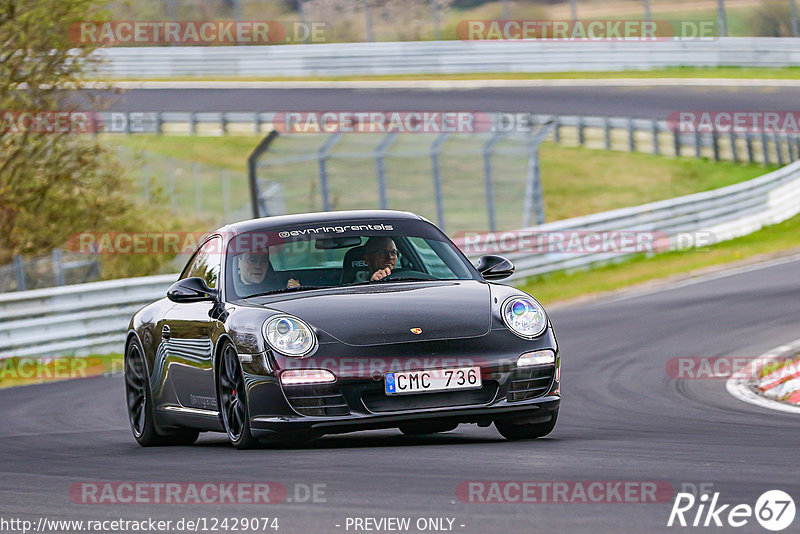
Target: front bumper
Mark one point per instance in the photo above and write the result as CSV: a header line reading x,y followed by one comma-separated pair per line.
x,y
533,411
356,401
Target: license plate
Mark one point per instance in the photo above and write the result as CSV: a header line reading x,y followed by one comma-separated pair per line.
x,y
405,382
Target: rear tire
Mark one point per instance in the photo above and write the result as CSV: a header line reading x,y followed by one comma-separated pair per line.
x,y
416,429
233,399
140,404
512,431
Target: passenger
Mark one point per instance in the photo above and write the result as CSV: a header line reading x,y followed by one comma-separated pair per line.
x,y
253,268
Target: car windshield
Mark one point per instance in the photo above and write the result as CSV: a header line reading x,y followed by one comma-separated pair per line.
x,y
288,259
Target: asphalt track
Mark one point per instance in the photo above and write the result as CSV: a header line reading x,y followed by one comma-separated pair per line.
x,y
622,418
653,102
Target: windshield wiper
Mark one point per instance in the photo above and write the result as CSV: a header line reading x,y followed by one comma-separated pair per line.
x,y
286,290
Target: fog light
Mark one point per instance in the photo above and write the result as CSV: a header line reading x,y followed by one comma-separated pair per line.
x,y
306,376
539,357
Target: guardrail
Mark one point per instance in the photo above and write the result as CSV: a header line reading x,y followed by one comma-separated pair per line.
x,y
609,133
445,57
92,318
720,214
80,319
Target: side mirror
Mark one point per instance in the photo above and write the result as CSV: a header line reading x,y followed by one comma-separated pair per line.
x,y
192,289
494,267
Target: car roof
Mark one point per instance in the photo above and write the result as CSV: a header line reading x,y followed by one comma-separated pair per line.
x,y
317,217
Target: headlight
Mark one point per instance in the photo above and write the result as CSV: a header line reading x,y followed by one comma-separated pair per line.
x,y
289,335
524,316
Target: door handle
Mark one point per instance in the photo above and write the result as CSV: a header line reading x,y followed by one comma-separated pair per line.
x,y
165,332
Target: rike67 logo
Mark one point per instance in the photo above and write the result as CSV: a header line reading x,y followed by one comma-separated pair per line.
x,y
774,510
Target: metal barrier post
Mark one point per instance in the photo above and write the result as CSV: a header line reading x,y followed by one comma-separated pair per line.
x,y
654,130
607,133
19,272
631,136
380,153
487,174
437,179
368,20
58,267
765,148
734,148
698,151
534,197
751,156
778,142
715,144
252,174
322,155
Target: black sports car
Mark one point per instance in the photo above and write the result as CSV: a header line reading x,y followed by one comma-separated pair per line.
x,y
287,328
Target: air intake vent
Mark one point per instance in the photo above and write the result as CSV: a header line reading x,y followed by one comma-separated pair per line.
x,y
317,399
530,382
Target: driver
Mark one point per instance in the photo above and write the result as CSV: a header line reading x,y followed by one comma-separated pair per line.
x,y
253,270
380,255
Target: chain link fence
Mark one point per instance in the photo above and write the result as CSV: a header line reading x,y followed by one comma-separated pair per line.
x,y
217,195
57,269
460,181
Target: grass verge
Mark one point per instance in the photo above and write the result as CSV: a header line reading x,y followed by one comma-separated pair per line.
x,y
576,180
755,73
564,286
25,371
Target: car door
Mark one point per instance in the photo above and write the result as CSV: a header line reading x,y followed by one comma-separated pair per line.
x,y
186,334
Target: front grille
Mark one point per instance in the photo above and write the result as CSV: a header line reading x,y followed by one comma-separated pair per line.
x,y
378,401
316,399
530,382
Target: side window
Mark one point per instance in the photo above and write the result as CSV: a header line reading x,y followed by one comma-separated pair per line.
x,y
205,264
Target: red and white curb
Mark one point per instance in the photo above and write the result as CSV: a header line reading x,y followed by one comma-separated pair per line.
x,y
779,390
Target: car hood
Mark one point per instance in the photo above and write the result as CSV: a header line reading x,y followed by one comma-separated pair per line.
x,y
383,314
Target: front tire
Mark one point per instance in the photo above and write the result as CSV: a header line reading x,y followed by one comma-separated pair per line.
x,y
511,431
140,403
233,399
